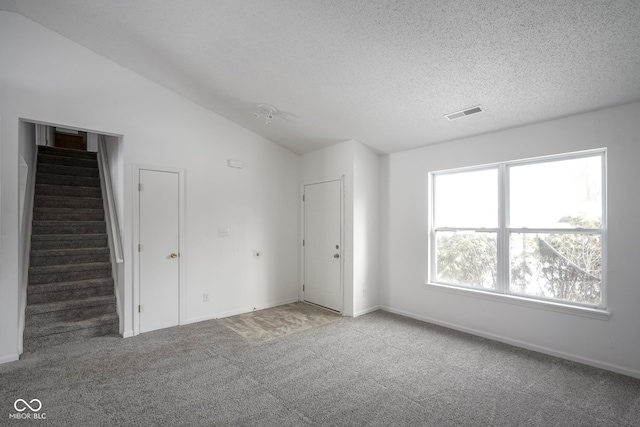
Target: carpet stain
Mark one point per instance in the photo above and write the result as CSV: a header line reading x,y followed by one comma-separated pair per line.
x,y
264,325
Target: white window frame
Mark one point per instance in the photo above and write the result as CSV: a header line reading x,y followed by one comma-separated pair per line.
x,y
502,293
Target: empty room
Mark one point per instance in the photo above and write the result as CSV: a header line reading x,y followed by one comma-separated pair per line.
x,y
319,213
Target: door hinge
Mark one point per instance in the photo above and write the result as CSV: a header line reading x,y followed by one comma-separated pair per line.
x,y
302,287
139,248
140,186
302,242
303,197
139,309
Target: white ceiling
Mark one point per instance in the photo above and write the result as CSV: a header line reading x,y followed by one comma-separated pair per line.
x,y
381,72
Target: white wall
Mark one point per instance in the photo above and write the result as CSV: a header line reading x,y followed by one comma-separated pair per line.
x,y
366,230
27,149
359,166
614,343
80,89
27,136
111,160
115,158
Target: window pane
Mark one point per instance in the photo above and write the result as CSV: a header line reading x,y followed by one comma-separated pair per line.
x,y
562,193
466,199
560,266
467,258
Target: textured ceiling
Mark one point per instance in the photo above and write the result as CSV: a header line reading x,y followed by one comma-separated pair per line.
x,y
381,72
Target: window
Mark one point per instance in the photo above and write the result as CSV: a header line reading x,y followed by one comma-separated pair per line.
x,y
531,228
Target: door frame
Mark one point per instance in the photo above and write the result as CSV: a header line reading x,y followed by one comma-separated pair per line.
x,y
342,236
137,167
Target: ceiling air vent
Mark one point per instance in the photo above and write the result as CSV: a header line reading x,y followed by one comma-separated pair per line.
x,y
463,113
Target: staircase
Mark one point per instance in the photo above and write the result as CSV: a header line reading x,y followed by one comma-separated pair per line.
x,y
70,295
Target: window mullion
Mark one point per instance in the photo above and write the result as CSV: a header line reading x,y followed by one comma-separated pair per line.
x,y
431,249
503,233
604,221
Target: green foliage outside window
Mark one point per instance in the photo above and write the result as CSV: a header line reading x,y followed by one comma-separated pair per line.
x,y
563,266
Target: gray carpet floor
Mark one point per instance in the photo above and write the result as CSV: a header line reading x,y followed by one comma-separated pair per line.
x,y
379,369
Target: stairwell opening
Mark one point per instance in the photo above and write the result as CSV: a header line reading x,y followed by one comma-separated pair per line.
x,y
69,292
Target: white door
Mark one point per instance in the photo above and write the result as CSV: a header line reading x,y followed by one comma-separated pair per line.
x,y
322,244
159,242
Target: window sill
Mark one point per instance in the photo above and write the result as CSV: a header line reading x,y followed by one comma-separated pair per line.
x,y
592,313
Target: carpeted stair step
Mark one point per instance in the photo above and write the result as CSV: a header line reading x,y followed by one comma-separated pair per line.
x,y
78,181
67,152
67,214
68,227
64,291
62,241
67,191
59,333
49,169
47,159
64,311
70,325
67,202
69,272
68,256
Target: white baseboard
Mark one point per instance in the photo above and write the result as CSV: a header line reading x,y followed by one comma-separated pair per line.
x,y
540,349
203,319
366,310
127,334
238,311
9,358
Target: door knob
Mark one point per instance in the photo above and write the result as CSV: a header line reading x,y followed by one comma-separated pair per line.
x,y
336,256
174,255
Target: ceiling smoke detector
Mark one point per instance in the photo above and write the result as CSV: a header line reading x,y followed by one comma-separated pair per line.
x,y
464,113
266,110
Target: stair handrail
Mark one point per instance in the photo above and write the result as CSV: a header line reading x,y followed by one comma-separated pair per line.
x,y
113,214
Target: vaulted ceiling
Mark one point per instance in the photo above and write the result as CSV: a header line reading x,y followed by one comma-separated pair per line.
x,y
382,72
